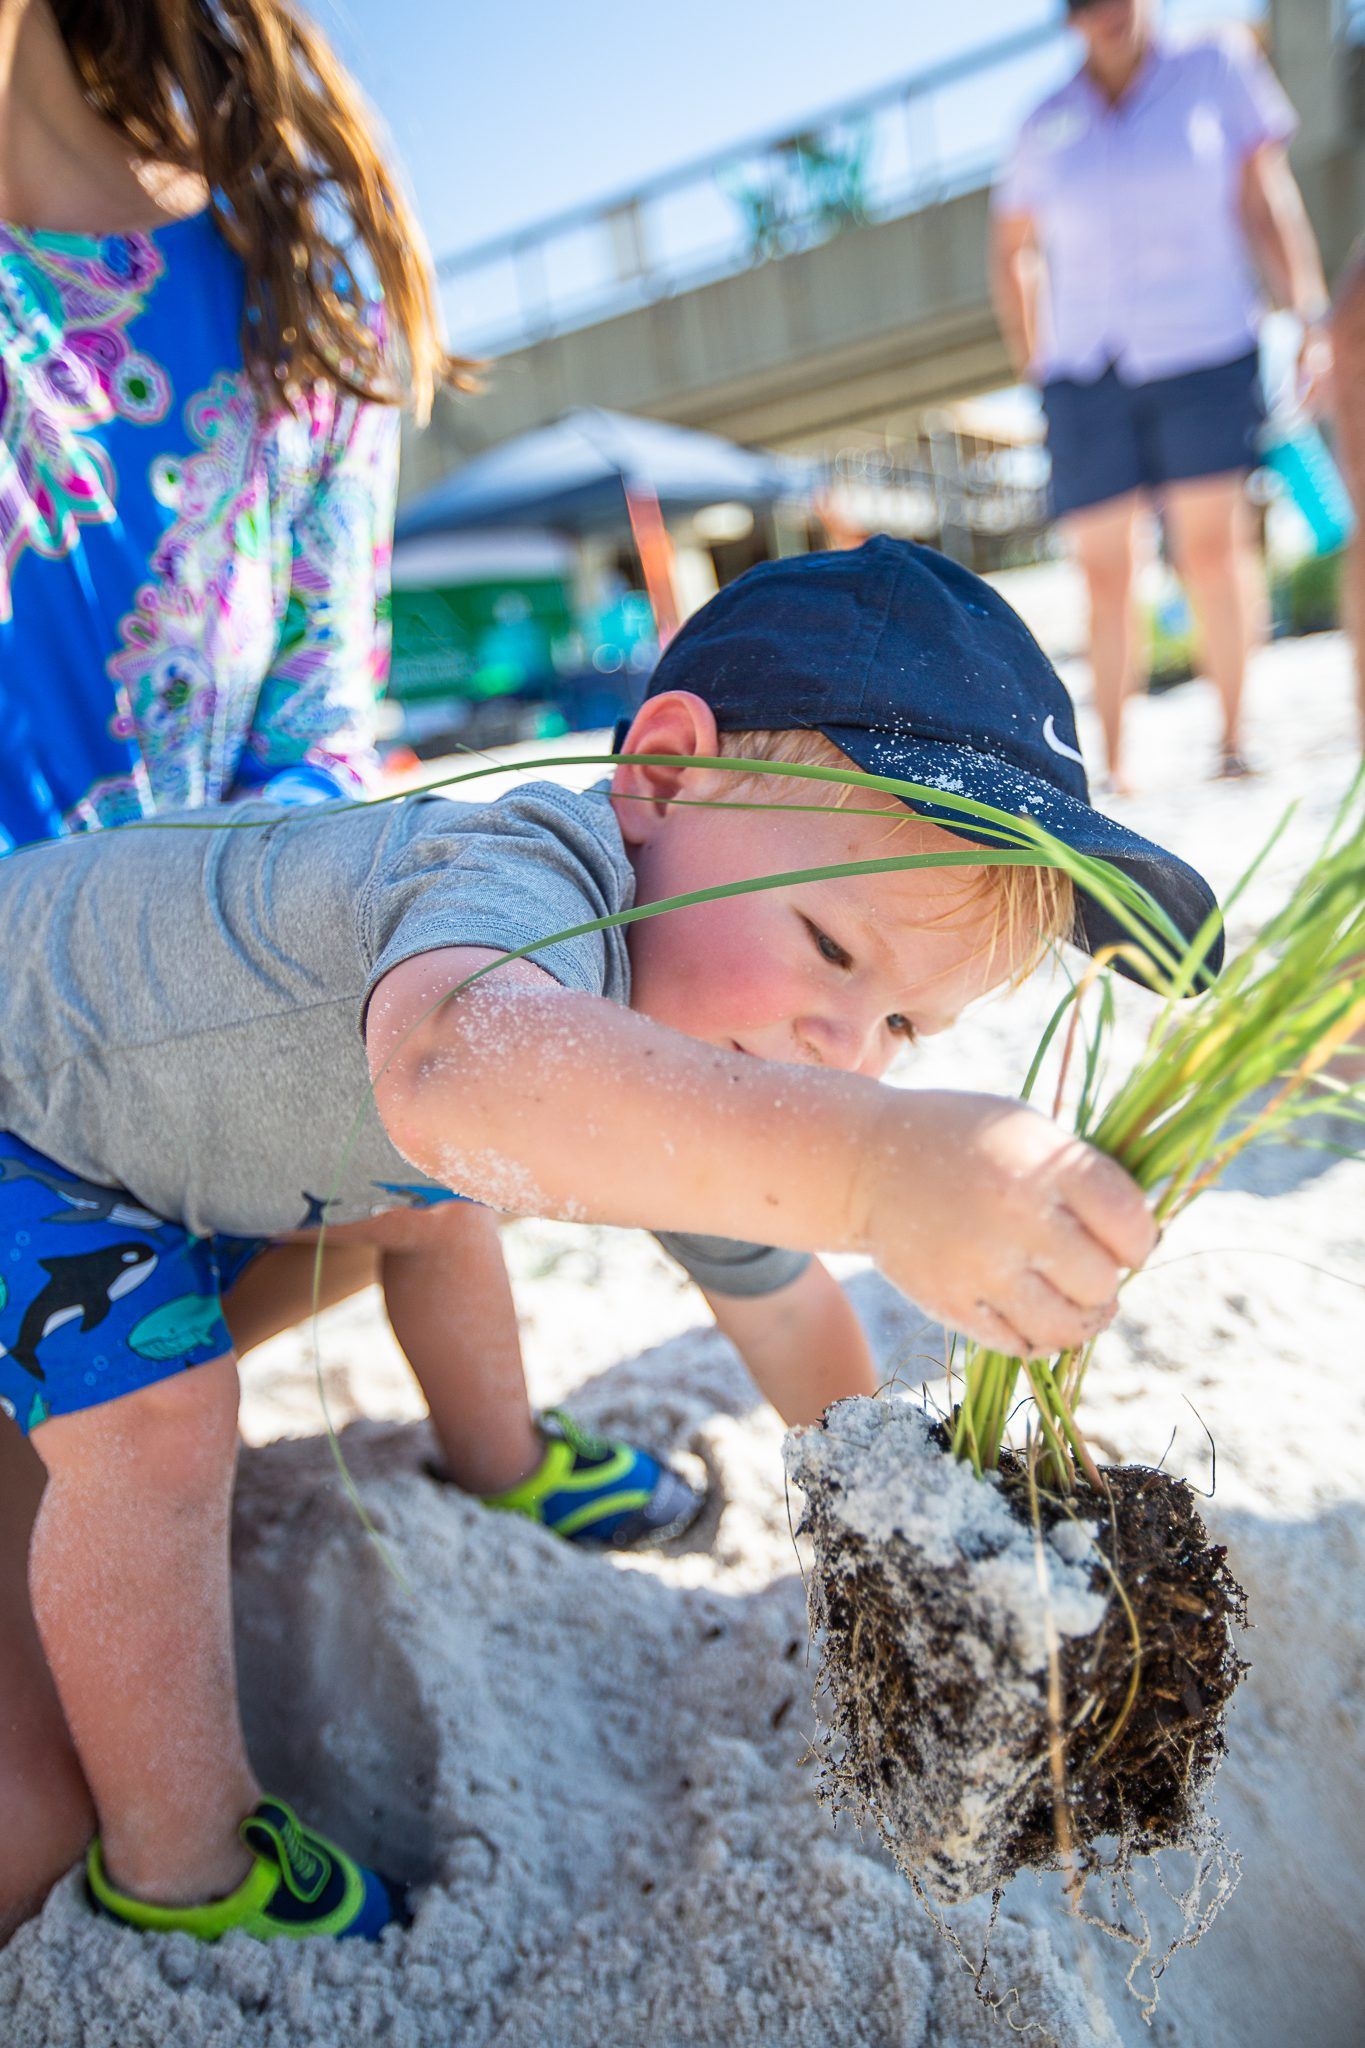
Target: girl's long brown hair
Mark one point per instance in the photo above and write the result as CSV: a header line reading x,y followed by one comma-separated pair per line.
x,y
252,97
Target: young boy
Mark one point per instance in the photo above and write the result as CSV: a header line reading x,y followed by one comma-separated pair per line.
x,y
186,1018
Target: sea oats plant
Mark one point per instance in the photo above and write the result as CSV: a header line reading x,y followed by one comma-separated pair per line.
x,y
1029,1657
1247,1060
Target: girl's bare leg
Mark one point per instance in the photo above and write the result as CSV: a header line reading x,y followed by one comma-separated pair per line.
x,y
1103,540
129,1578
46,1815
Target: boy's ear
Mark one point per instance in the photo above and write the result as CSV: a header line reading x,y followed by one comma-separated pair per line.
x,y
677,722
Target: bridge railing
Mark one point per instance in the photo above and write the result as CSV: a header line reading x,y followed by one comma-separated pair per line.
x,y
923,138
939,131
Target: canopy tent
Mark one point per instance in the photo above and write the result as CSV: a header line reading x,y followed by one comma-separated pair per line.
x,y
579,473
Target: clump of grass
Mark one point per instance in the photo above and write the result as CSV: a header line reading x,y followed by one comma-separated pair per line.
x,y
1244,1061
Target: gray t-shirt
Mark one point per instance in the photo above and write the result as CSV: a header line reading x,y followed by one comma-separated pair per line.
x,y
181,1003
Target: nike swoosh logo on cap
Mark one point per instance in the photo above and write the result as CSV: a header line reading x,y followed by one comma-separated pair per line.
x,y
1059,746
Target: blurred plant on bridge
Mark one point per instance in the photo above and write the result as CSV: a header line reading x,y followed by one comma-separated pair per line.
x,y
809,187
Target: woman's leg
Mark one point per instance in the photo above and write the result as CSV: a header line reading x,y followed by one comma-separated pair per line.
x,y
46,1814
129,1578
1103,539
1209,524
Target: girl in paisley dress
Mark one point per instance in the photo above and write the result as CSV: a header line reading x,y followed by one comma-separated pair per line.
x,y
198,447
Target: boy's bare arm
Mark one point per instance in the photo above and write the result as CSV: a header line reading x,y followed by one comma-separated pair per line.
x,y
542,1101
802,1344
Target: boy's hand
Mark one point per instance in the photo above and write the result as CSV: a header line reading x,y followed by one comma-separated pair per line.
x,y
1001,1224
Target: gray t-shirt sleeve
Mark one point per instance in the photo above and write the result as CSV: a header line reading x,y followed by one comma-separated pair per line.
x,y
724,1265
503,875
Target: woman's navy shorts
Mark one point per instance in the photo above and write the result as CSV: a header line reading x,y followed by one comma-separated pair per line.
x,y
1107,437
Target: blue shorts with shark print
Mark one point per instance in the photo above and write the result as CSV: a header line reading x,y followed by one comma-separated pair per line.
x,y
99,1297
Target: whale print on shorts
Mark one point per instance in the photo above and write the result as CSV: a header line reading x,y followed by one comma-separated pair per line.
x,y
83,1201
85,1286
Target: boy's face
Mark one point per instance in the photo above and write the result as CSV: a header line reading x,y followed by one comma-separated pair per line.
x,y
840,973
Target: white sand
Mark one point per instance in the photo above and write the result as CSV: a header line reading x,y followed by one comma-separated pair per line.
x,y
594,1768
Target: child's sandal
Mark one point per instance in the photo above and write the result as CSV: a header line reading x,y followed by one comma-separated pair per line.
x,y
593,1490
300,1884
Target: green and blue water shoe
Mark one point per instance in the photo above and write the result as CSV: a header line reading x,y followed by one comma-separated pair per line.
x,y
301,1884
591,1490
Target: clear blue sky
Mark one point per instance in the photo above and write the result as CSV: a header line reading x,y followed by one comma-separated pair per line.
x,y
506,110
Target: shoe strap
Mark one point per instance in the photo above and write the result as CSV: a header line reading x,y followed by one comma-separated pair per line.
x,y
208,1921
584,1443
273,1829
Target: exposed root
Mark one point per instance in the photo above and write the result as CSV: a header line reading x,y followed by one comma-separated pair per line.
x,y
1019,1681
1216,1871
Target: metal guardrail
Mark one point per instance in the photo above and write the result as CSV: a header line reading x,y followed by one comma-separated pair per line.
x,y
909,145
913,143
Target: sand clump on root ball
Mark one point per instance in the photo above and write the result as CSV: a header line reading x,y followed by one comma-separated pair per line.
x,y
940,1611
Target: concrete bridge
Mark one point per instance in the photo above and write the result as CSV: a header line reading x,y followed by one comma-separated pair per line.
x,y
826,281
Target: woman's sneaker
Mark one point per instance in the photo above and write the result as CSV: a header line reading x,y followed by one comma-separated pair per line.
x,y
591,1490
300,1884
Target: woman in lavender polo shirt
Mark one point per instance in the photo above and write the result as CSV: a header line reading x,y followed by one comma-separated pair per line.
x,y
1141,200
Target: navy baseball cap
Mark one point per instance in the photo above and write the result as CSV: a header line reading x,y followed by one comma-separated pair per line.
x,y
915,667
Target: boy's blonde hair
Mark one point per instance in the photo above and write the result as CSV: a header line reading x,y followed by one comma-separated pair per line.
x,y
1029,908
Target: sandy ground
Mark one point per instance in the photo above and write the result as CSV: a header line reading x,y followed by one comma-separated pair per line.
x,y
596,1770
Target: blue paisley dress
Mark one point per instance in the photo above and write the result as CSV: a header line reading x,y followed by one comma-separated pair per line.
x,y
193,593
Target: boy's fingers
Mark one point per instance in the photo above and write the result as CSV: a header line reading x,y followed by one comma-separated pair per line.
x,y
1049,1319
996,1332
1077,1264
1111,1206
1039,1321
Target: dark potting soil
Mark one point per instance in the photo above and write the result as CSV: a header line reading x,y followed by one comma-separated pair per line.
x,y
899,1718
1145,1786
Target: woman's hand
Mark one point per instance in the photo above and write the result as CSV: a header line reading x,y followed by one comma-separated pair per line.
x,y
1316,368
